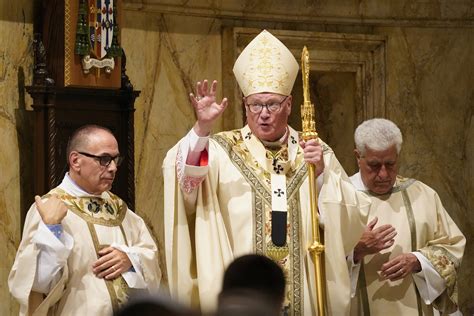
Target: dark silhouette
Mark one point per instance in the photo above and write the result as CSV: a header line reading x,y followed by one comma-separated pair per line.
x,y
253,285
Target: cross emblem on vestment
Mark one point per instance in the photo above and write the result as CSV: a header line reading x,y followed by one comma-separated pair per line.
x,y
109,208
278,168
248,135
93,206
293,140
279,192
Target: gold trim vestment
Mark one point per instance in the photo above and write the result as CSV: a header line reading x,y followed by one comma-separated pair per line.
x,y
230,217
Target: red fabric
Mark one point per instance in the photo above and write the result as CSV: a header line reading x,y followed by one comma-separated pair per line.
x,y
203,160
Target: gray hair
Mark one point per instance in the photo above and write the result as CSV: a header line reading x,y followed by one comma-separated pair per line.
x,y
377,134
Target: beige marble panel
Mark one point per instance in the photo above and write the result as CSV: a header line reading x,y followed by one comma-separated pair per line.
x,y
9,209
15,66
393,12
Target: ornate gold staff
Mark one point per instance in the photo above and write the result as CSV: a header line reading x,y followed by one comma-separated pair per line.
x,y
309,132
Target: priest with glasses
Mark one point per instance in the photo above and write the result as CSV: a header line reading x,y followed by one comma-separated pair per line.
x,y
83,252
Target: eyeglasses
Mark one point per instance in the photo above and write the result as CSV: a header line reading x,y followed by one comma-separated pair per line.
x,y
271,107
104,160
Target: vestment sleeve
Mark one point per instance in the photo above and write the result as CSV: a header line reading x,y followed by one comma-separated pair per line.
x,y
428,281
195,146
194,233
445,252
190,171
52,257
354,270
143,254
345,209
22,275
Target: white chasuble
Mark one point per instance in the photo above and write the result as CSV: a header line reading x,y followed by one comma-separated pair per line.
x,y
94,222
228,215
423,226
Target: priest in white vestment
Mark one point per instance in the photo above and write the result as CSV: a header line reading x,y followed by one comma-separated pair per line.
x,y
83,252
419,269
246,191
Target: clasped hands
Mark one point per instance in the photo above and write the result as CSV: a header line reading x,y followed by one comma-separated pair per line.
x,y
374,240
112,262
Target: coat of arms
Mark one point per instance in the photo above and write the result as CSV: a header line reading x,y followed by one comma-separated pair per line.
x,y
96,35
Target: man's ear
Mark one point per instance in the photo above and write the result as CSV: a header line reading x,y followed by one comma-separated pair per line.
x,y
358,156
74,161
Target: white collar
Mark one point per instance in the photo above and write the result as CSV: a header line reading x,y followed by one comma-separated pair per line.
x,y
72,188
356,180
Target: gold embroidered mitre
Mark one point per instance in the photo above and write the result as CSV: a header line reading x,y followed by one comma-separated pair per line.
x,y
266,65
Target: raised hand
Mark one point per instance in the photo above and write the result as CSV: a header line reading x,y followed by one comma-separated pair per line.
x,y
374,240
52,211
206,108
313,153
111,264
400,266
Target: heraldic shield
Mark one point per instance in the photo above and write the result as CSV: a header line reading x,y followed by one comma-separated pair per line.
x,y
92,55
96,35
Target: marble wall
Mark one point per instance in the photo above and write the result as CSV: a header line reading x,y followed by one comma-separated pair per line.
x,y
16,57
428,61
